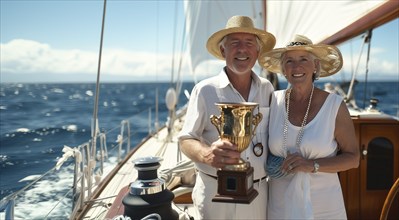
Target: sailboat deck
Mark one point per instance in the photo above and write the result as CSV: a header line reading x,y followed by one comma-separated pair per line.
x,y
154,146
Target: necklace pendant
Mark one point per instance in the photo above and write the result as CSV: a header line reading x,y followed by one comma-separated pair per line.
x,y
258,149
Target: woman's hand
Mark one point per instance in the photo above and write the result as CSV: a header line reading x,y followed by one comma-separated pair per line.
x,y
296,163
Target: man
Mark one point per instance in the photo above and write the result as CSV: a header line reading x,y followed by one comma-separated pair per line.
x,y
239,45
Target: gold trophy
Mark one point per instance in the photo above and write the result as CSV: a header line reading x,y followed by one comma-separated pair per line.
x,y
236,124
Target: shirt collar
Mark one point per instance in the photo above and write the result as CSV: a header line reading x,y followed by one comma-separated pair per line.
x,y
224,80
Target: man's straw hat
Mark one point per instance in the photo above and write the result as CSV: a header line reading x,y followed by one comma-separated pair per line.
x,y
239,24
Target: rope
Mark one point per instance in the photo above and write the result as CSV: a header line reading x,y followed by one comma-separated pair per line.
x,y
104,150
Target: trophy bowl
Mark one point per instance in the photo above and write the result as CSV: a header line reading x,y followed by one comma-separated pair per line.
x,y
236,123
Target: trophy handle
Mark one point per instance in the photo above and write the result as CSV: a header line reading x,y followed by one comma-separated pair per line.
x,y
215,120
255,121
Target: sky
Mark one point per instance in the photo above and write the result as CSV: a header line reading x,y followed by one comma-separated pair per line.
x,y
59,41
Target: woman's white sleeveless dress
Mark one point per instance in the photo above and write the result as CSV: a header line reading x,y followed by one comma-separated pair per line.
x,y
321,190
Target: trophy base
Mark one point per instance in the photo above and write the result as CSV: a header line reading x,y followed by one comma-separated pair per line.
x,y
235,186
236,199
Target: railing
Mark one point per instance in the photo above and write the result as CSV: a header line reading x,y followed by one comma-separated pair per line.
x,y
83,162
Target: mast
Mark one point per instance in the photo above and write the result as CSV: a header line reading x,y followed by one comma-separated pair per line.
x,y
379,16
95,128
264,5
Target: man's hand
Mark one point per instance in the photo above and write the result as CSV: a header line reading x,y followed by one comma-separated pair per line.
x,y
221,153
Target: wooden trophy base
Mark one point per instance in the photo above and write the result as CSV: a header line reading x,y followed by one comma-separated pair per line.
x,y
236,186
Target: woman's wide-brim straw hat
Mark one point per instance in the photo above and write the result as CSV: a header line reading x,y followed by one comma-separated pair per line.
x,y
330,57
239,24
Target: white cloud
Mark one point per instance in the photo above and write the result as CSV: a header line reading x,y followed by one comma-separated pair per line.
x,y
31,57
378,67
34,59
26,56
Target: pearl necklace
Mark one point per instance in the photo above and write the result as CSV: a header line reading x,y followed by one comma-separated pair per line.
x,y
300,133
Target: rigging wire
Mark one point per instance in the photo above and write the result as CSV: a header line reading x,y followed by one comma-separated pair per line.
x,y
156,121
350,90
173,46
182,48
368,40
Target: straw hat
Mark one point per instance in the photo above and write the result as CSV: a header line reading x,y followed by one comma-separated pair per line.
x,y
239,24
330,57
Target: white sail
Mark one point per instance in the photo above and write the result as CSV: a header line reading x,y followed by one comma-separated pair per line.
x,y
316,19
203,18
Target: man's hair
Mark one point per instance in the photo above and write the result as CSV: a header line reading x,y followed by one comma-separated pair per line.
x,y
259,44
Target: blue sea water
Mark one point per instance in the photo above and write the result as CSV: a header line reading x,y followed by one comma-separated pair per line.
x,y
37,120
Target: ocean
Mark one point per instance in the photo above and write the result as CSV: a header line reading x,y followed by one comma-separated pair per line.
x,y
38,120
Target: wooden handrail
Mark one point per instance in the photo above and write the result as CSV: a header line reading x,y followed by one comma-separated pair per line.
x,y
389,200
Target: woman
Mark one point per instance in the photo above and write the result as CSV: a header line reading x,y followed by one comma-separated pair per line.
x,y
308,127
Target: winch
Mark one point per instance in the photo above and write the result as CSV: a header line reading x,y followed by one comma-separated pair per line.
x,y
148,194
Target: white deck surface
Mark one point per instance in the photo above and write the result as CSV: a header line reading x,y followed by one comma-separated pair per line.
x,y
127,174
